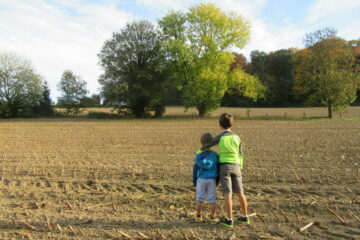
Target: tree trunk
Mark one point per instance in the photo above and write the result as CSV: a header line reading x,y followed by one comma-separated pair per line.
x,y
138,107
138,111
202,110
159,110
329,109
14,109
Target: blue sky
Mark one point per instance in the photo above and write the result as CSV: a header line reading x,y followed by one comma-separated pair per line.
x,y
68,34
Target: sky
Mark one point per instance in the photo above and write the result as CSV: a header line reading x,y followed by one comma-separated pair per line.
x,y
59,35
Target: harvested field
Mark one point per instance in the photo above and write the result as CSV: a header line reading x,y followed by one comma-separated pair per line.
x,y
79,179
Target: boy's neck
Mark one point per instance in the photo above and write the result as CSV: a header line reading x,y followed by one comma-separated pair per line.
x,y
226,129
206,150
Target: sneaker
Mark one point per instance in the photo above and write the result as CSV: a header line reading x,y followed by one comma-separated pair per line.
x,y
244,220
227,223
198,219
214,220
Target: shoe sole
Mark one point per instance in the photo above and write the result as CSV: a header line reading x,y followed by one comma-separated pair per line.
x,y
226,225
214,221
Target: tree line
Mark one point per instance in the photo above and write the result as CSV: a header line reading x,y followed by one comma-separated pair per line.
x,y
187,59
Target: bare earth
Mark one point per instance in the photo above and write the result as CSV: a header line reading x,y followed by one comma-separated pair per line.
x,y
78,179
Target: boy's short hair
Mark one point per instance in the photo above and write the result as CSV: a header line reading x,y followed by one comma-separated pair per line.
x,y
206,138
226,120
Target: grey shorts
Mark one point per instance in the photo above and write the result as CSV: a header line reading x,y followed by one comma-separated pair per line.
x,y
230,178
206,186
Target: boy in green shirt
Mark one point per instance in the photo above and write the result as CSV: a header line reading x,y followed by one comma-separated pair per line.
x,y
231,162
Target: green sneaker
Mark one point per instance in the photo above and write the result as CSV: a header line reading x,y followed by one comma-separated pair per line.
x,y
214,220
227,223
244,220
198,219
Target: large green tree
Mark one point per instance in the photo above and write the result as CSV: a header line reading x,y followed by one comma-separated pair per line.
x,y
73,89
198,45
20,86
324,74
276,71
134,76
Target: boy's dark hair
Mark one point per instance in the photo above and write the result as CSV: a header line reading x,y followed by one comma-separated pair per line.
x,y
206,138
226,120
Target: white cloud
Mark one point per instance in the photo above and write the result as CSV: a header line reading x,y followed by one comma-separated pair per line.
x,y
339,14
350,31
326,8
247,8
56,39
265,37
250,9
165,5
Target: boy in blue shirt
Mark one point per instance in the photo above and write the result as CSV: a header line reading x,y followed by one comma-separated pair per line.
x,y
205,178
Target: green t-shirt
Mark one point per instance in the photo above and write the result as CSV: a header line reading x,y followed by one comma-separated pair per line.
x,y
230,148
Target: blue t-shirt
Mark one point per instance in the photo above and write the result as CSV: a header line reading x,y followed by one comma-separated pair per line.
x,y
205,165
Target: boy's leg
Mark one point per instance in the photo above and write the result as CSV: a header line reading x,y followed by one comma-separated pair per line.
x,y
239,192
198,208
226,185
228,205
243,203
225,179
244,218
200,197
212,197
228,221
212,209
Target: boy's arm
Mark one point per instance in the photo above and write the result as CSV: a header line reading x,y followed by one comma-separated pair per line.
x,y
241,150
218,176
213,142
194,177
218,168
